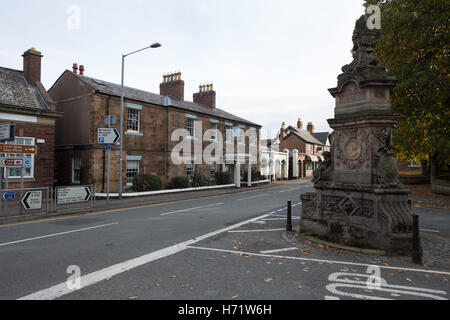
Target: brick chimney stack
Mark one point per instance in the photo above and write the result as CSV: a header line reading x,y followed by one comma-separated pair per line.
x,y
32,66
172,85
299,123
82,70
310,127
206,95
283,131
75,68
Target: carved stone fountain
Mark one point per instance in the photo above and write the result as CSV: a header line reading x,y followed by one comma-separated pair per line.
x,y
359,200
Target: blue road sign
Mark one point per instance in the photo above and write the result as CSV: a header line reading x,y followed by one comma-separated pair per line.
x,y
101,140
9,195
108,147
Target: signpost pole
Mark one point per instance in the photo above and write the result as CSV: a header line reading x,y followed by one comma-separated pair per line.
x,y
6,188
108,167
21,188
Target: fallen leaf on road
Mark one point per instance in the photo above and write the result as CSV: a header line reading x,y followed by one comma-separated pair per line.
x,y
224,256
172,277
133,298
158,285
401,271
234,297
386,264
299,287
302,263
109,278
444,279
408,279
321,262
368,291
268,262
305,270
202,217
108,244
268,279
344,270
280,262
211,259
194,238
357,279
395,295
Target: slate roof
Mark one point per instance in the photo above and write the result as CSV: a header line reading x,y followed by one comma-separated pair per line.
x,y
321,136
15,91
303,134
148,97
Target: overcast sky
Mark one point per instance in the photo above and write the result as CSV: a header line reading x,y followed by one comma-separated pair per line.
x,y
269,60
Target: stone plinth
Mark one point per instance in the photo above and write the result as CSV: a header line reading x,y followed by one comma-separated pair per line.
x,y
359,200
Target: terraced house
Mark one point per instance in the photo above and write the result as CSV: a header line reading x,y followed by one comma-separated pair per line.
x,y
25,102
150,136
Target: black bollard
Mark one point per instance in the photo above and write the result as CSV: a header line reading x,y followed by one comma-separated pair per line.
x,y
289,216
416,250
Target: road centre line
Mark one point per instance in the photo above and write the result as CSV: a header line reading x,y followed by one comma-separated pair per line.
x,y
319,260
61,289
56,234
256,230
189,209
257,196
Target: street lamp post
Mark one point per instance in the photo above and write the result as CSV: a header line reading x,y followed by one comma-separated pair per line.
x,y
153,46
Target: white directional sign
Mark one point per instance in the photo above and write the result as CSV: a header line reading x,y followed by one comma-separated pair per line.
x,y
108,136
72,194
32,200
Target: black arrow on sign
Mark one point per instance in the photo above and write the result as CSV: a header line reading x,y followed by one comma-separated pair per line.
x,y
24,201
88,193
116,139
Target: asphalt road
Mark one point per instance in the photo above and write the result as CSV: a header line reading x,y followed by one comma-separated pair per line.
x,y
229,246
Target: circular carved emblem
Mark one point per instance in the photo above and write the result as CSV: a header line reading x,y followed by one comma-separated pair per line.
x,y
352,149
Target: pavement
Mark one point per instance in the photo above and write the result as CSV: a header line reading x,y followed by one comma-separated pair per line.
x,y
222,247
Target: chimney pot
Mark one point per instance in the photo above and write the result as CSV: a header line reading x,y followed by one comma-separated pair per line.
x,y
172,85
75,68
82,69
206,95
310,127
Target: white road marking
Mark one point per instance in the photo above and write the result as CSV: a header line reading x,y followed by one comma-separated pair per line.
x,y
428,230
331,298
288,190
271,219
384,287
279,250
257,196
320,260
61,289
57,234
189,209
258,230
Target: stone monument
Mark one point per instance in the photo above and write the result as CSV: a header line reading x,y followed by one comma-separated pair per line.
x,y
359,200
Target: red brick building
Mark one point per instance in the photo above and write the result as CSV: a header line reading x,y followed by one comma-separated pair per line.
x,y
309,144
25,102
149,122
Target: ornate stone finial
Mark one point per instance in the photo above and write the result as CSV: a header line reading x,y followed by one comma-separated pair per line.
x,y
364,43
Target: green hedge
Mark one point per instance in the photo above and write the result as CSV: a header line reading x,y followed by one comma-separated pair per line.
x,y
178,182
223,178
146,182
199,180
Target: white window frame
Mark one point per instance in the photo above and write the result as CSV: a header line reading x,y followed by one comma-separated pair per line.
x,y
190,166
214,128
212,176
74,163
137,113
129,169
31,176
190,127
